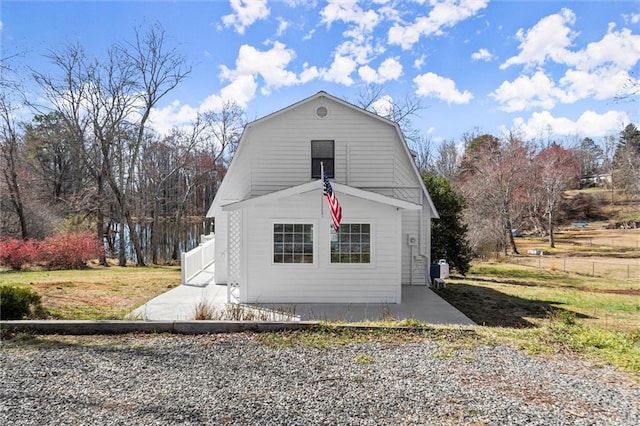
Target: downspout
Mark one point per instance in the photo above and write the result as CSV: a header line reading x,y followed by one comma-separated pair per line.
x,y
424,256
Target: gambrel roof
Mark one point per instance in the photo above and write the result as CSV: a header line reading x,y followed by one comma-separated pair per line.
x,y
228,180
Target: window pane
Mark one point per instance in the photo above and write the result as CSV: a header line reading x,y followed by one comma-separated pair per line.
x,y
322,149
322,152
351,244
293,243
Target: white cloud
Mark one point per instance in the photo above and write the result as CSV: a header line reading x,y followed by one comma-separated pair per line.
x,y
360,51
482,55
600,70
549,38
340,70
442,15
632,18
308,73
173,115
418,63
282,26
246,12
383,106
358,43
589,124
603,83
270,65
527,92
433,85
619,49
389,69
241,90
367,74
348,11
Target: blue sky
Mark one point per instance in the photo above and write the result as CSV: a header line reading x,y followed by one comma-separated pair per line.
x,y
545,69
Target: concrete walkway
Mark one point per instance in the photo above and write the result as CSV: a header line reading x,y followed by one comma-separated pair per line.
x,y
418,302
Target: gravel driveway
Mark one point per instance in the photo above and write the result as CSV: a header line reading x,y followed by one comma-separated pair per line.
x,y
236,380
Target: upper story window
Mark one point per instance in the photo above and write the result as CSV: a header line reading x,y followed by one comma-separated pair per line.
x,y
322,152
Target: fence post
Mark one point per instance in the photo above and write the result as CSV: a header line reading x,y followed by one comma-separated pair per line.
x,y
593,269
565,265
183,267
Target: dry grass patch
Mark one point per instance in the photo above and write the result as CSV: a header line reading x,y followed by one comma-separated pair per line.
x,y
95,292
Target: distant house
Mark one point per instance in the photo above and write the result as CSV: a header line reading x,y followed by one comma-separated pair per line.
x,y
598,179
274,238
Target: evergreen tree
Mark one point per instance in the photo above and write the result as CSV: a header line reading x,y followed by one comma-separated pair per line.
x,y
449,233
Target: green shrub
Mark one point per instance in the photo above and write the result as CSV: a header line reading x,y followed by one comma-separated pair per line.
x,y
19,303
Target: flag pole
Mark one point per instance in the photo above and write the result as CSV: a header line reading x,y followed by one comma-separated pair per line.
x,y
322,194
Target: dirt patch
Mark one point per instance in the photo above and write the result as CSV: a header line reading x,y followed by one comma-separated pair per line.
x,y
626,292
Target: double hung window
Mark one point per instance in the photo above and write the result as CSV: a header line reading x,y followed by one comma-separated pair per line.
x,y
322,152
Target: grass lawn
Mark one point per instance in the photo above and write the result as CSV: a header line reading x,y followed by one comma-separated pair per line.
x,y
96,292
546,311
496,294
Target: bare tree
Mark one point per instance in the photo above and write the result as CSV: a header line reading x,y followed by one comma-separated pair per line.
x,y
162,161
492,176
108,106
69,93
372,99
447,161
556,171
11,151
222,129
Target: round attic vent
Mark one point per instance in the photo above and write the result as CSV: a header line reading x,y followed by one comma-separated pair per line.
x,y
321,112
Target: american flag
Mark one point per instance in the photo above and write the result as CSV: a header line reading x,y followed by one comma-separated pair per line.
x,y
336,209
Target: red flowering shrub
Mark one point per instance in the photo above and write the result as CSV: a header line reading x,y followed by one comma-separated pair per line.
x,y
69,251
16,253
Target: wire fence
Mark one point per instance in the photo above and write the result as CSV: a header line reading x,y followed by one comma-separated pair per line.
x,y
629,271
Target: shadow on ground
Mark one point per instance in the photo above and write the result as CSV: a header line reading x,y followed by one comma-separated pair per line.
x,y
486,306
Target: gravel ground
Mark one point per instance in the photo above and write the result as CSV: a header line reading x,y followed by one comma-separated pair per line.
x,y
236,380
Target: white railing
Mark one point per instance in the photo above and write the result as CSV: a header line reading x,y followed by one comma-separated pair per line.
x,y
195,261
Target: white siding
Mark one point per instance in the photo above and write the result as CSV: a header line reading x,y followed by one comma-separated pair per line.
x,y
369,154
280,147
321,282
220,270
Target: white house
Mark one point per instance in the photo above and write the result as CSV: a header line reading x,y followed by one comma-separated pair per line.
x,y
274,237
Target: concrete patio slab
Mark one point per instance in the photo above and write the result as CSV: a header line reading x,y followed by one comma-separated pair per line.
x,y
180,303
418,302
